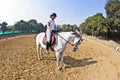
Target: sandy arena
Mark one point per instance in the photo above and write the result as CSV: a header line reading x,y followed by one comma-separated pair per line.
x,y
93,61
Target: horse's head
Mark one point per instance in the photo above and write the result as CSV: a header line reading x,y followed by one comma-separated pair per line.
x,y
77,41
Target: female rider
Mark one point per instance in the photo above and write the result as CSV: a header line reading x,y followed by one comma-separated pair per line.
x,y
50,27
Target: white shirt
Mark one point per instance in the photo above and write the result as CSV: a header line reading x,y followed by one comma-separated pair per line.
x,y
52,24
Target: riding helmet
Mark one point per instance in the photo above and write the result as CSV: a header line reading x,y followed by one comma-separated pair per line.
x,y
53,14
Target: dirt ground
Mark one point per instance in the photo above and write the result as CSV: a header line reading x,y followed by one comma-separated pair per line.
x,y
93,61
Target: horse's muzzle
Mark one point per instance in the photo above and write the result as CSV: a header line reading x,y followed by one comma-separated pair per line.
x,y
74,49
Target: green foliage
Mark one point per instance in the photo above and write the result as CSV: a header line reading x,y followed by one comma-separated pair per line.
x,y
94,25
113,17
68,27
59,28
98,25
4,27
30,26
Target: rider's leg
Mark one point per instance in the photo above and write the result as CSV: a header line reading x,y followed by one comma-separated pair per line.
x,y
48,40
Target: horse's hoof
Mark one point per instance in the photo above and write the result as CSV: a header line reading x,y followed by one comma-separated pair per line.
x,y
39,59
58,68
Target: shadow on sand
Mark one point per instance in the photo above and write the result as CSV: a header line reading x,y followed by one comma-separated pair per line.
x,y
72,62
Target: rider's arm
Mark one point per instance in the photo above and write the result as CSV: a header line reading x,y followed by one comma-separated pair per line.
x,y
49,25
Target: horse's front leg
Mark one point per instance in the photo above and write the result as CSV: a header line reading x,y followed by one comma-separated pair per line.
x,y
57,59
38,52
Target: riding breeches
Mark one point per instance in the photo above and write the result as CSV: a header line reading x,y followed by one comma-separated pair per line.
x,y
49,33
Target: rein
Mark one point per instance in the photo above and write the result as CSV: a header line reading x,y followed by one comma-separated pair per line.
x,y
65,39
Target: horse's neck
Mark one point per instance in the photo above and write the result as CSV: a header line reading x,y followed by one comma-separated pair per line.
x,y
70,37
67,36
62,40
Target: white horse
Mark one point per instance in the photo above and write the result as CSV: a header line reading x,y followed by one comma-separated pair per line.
x,y
59,47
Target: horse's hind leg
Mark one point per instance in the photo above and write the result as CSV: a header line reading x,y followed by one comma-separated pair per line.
x,y
39,52
40,56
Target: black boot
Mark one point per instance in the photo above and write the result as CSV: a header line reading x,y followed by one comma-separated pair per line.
x,y
47,47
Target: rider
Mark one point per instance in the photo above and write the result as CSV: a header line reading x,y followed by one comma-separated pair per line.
x,y
50,27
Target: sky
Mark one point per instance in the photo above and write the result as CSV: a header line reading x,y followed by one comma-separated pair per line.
x,y
68,11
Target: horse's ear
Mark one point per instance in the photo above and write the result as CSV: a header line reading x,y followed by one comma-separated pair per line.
x,y
77,31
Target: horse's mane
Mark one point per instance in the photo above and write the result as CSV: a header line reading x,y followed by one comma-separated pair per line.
x,y
76,34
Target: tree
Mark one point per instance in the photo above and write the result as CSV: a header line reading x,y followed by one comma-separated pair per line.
x,y
30,26
22,26
33,25
113,17
40,28
74,27
63,27
4,27
68,27
82,27
58,27
95,25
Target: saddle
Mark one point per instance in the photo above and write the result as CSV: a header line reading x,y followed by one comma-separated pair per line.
x,y
52,40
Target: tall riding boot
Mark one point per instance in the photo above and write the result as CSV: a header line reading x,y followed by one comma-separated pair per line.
x,y
47,47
